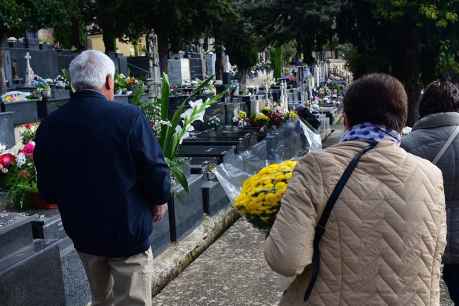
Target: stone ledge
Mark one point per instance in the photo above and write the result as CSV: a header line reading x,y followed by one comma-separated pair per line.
x,y
179,255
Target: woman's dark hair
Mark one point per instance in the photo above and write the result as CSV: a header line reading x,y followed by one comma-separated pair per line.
x,y
441,96
377,98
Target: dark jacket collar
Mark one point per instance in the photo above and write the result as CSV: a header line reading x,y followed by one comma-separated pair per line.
x,y
437,120
89,94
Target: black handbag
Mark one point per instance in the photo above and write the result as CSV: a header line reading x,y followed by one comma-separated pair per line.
x,y
320,228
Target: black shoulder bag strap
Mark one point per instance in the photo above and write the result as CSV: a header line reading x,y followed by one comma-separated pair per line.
x,y
320,228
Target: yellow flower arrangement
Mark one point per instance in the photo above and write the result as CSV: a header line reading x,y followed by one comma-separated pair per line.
x,y
261,119
292,115
261,194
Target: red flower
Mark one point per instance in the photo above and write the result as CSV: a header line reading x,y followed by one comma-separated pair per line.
x,y
28,126
28,149
7,159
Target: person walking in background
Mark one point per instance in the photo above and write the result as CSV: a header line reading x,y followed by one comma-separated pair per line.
x,y
100,162
363,222
435,137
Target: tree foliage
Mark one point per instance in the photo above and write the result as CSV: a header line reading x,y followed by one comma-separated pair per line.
x,y
18,16
309,23
414,51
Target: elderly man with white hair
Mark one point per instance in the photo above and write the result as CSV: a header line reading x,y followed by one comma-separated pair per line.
x,y
100,162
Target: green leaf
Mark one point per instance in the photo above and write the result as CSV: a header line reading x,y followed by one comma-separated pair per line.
x,y
177,173
165,93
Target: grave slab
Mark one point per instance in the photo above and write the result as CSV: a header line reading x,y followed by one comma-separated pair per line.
x,y
205,152
186,209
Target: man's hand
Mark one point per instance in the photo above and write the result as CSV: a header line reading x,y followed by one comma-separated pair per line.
x,y
158,212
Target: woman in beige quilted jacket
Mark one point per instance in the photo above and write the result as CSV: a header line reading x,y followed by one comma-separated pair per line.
x,y
386,233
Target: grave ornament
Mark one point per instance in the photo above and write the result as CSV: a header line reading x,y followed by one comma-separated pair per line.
x,y
30,74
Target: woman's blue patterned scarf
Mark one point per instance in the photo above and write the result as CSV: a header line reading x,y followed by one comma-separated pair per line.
x,y
369,132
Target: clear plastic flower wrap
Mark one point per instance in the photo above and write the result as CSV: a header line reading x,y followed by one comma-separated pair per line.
x,y
289,142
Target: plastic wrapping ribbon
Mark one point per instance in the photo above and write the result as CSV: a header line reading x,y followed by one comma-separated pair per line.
x,y
291,141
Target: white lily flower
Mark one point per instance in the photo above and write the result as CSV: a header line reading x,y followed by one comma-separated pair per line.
x,y
165,123
2,148
190,128
200,116
196,103
187,113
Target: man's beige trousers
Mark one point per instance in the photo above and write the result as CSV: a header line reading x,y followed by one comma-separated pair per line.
x,y
119,281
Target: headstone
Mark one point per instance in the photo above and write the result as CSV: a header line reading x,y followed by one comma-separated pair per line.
x,y
7,136
139,66
24,112
197,66
31,40
179,71
120,62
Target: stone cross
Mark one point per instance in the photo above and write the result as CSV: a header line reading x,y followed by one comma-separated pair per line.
x,y
30,75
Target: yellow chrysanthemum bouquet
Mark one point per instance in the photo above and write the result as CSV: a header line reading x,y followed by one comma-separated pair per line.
x,y
261,194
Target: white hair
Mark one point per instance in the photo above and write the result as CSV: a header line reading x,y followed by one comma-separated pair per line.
x,y
90,69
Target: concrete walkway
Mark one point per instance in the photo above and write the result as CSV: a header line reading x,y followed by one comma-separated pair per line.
x,y
231,272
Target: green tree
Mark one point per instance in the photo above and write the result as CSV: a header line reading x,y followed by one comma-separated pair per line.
x,y
241,41
175,22
276,61
16,17
111,18
309,23
71,30
413,50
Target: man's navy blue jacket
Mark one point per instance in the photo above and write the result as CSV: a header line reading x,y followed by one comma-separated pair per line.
x,y
100,162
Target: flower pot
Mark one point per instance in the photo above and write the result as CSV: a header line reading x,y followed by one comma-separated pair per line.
x,y
37,202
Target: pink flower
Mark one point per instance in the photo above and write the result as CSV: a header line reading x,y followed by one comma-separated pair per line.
x,y
7,160
28,149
